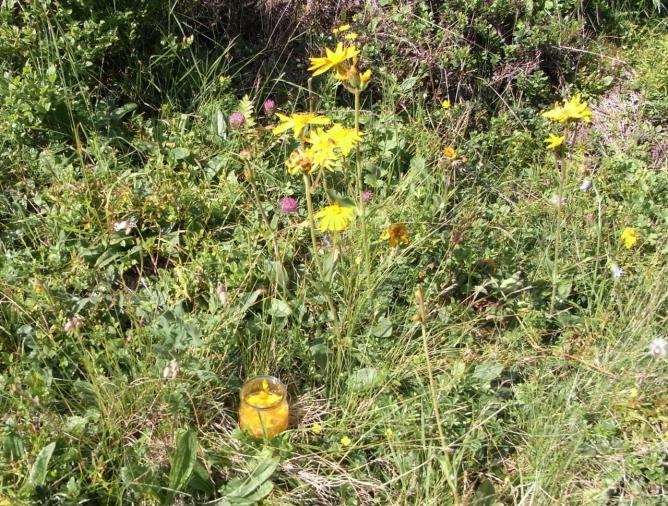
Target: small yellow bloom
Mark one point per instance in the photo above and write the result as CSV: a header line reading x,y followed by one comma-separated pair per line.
x,y
446,104
335,218
297,122
450,153
573,109
320,65
396,234
389,432
345,441
316,428
630,237
351,36
554,141
342,28
366,76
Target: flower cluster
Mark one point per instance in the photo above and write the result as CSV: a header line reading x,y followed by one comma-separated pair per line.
x,y
572,110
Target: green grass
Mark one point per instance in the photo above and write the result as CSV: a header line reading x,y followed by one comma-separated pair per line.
x,y
535,407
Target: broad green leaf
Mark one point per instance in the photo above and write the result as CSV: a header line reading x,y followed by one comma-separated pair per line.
x,y
183,460
383,328
243,488
39,469
487,372
279,308
366,379
180,153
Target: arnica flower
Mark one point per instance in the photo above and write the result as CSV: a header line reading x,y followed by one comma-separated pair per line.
x,y
343,138
658,348
396,234
316,428
320,65
297,122
574,109
340,29
630,237
269,106
237,120
554,141
322,150
450,153
335,218
288,205
345,441
351,36
300,162
446,104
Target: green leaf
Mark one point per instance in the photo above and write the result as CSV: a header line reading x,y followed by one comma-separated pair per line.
x,y
366,379
418,163
383,328
243,488
182,462
38,471
487,372
180,153
246,108
328,263
279,308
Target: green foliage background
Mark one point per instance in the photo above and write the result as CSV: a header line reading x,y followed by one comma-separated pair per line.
x,y
113,111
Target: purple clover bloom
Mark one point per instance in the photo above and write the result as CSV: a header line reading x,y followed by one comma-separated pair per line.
x,y
237,120
367,195
288,205
269,106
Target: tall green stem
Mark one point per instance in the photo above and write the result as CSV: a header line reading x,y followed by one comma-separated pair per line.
x,y
557,232
360,185
314,243
422,316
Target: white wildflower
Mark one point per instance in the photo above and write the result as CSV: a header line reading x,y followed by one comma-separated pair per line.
x,y
171,370
586,185
658,348
73,323
617,271
125,225
221,291
558,200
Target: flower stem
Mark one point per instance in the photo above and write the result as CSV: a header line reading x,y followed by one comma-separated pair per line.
x,y
422,316
557,233
314,243
360,184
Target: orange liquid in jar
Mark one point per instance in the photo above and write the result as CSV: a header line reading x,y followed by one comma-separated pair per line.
x,y
263,411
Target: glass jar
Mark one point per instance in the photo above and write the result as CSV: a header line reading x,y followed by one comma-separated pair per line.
x,y
263,411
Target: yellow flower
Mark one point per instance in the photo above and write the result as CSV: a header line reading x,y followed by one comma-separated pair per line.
x,y
335,218
397,234
389,432
351,36
366,76
342,28
322,150
316,428
630,237
554,141
320,65
573,109
297,122
300,162
450,153
344,138
446,104
345,441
